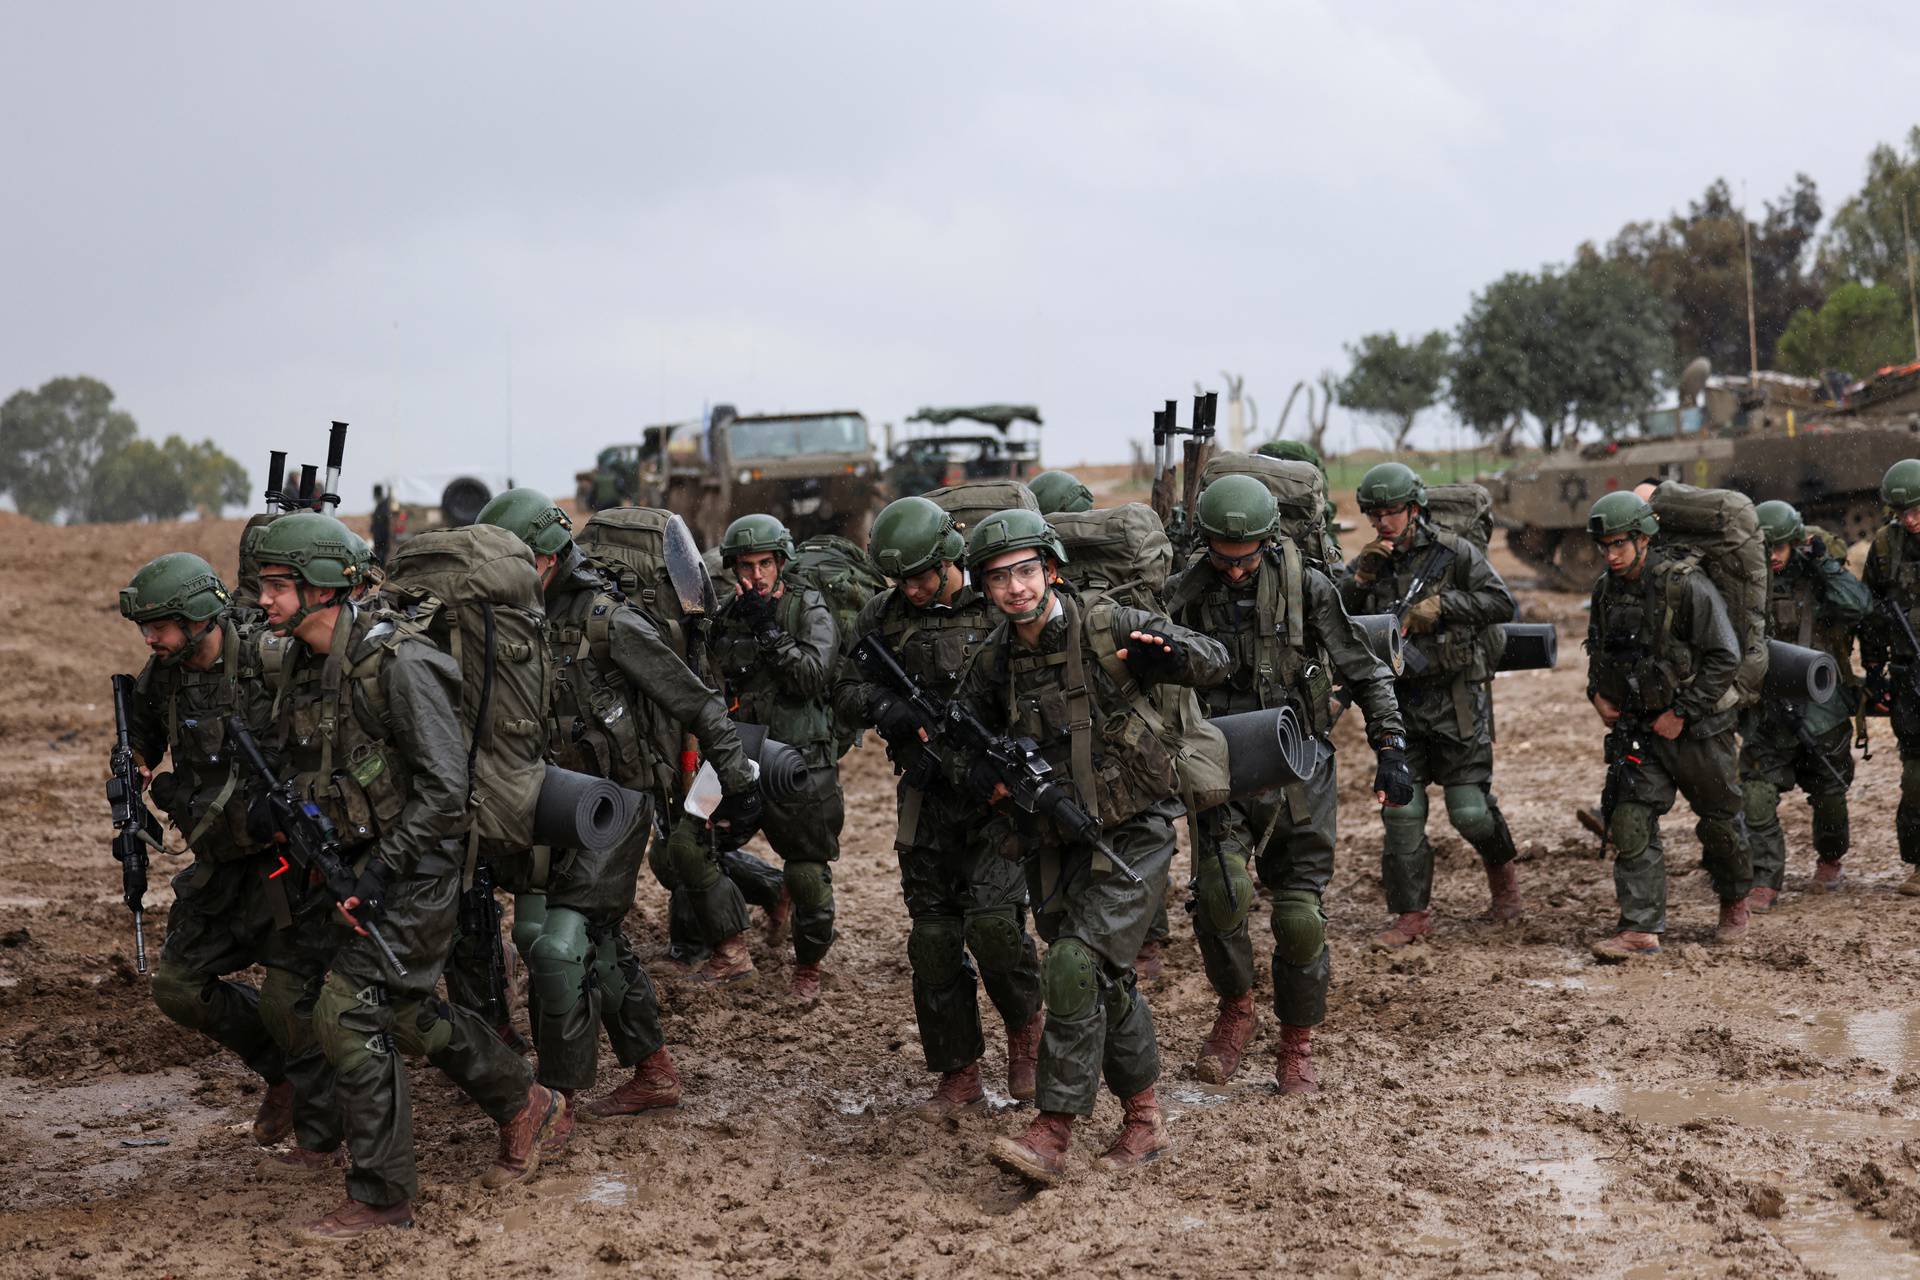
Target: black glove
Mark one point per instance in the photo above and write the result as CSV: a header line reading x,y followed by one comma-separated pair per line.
x,y
262,826
1155,661
736,818
371,889
897,722
753,610
1394,777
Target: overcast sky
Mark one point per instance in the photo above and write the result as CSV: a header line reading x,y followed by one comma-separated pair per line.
x,y
434,220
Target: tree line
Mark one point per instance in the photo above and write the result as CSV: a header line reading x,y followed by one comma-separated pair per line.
x,y
1592,342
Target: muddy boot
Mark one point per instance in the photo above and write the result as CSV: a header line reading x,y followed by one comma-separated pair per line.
x,y
523,1137
1151,962
1503,883
1039,1154
1761,898
655,1084
1827,875
274,1120
958,1091
513,1039
1143,1135
1226,1044
1023,1057
805,986
353,1220
779,919
1911,885
1407,928
562,1130
730,962
1733,921
298,1162
1293,1069
1628,944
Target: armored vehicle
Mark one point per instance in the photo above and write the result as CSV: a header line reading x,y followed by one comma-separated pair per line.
x,y
933,456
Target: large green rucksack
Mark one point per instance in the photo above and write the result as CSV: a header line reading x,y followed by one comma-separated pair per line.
x,y
839,570
473,592
1119,551
1464,509
1298,489
1717,529
972,501
628,544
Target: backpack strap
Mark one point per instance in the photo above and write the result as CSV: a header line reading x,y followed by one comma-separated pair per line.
x,y
1080,701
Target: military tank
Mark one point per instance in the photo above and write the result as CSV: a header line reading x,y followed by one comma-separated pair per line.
x,y
1768,436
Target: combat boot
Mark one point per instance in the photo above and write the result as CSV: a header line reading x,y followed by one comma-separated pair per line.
x,y
274,1120
730,962
511,1037
958,1091
1226,1044
1628,944
1911,885
1293,1070
1761,898
562,1132
1039,1154
1827,875
523,1137
1407,928
297,1162
1143,1135
1503,883
1733,921
779,919
1151,962
655,1084
805,986
353,1220
1023,1057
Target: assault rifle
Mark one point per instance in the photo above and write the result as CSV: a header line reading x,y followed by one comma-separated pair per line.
x,y
480,926
310,836
1436,564
1626,749
956,735
1908,706
135,827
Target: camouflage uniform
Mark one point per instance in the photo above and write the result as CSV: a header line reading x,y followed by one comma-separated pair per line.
x,y
1892,574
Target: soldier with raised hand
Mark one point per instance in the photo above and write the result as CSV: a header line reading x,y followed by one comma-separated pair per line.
x,y
1812,601
960,896
775,646
1060,492
1446,595
369,718
229,912
1661,656
614,677
1290,642
1892,575
1075,678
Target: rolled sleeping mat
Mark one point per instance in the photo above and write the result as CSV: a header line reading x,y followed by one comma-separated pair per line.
x,y
1530,646
579,811
1267,749
1382,631
783,770
1798,674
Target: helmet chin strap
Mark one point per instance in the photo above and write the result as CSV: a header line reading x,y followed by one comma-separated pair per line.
x,y
192,643
1039,610
306,610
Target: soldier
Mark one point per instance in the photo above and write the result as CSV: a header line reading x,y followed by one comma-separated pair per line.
x,y
1075,679
1661,656
1446,595
1289,640
614,678
960,896
775,646
1060,492
1812,601
226,908
382,525
1892,575
369,715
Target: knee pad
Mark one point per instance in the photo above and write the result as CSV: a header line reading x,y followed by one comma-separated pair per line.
x,y
810,884
1222,896
424,1027
1719,838
1071,977
1406,826
1630,829
1299,927
688,858
1759,802
349,1024
529,918
936,948
995,939
181,995
557,961
1471,816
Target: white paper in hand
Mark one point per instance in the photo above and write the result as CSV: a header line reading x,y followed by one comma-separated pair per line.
x,y
703,797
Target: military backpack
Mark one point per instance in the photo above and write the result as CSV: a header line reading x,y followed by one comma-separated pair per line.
x,y
1717,529
1464,510
972,501
1298,489
1121,552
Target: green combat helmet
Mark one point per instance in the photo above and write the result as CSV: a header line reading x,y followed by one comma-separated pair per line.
x,y
1622,511
1293,451
1237,508
1900,487
1390,484
320,551
911,536
750,535
530,516
1015,530
1780,522
178,585
1060,493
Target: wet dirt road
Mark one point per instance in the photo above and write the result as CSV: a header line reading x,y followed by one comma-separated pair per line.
x,y
1494,1103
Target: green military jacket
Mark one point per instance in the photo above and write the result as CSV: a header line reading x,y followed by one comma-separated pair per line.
x,y
1472,598
1892,573
786,685
182,714
1815,603
1663,642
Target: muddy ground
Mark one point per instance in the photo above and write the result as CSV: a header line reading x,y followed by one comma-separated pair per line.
x,y
1494,1103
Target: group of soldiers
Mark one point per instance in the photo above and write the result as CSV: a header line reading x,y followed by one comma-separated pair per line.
x,y
362,713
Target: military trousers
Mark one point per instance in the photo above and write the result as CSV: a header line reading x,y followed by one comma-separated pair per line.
x,y
1774,761
1461,765
1098,1024
805,832
1703,768
1905,721
707,892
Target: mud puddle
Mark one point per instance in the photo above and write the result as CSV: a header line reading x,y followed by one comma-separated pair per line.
x,y
95,1138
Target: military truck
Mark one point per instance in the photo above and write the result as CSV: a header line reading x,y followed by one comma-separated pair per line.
x,y
1770,436
611,483
815,471
934,455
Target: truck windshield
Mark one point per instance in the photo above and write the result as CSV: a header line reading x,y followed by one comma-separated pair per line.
x,y
791,437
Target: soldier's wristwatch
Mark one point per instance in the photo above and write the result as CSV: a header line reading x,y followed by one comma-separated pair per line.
x,y
1389,742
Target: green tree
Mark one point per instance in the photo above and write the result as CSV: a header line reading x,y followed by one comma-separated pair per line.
x,y
145,481
1392,381
1859,329
51,441
1865,243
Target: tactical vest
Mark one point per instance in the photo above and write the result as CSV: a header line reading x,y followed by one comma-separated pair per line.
x,y
935,646
1263,624
757,692
1640,664
1890,547
203,792
1793,605
1453,649
596,724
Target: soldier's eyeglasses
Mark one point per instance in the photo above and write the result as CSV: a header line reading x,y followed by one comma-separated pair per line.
x,y
1372,512
1246,561
1028,571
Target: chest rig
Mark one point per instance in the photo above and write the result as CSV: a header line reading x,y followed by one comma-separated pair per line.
x,y
596,723
1454,651
1892,546
1263,624
1640,664
205,776
757,693
935,645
